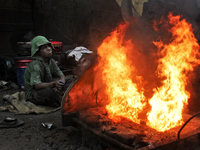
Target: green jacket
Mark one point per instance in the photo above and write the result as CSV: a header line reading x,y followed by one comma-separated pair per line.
x,y
38,71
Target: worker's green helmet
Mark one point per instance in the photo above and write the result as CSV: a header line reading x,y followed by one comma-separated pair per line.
x,y
37,42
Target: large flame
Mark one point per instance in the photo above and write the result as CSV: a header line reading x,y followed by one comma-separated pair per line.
x,y
113,81
168,101
179,57
125,99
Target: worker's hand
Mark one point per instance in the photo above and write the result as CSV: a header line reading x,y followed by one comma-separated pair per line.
x,y
59,85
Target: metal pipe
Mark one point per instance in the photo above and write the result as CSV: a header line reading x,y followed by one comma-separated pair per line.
x,y
186,124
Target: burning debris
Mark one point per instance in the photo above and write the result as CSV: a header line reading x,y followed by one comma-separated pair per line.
x,y
114,85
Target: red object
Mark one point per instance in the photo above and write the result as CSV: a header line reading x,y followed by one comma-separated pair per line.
x,y
23,63
58,46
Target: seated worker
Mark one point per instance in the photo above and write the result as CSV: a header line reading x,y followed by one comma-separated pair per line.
x,y
40,88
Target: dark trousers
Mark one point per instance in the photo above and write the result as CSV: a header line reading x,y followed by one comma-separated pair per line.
x,y
49,96
46,97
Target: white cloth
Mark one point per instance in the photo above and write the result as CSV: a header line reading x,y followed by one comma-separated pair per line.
x,y
2,83
78,52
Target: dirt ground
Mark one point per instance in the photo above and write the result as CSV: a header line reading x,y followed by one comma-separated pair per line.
x,y
32,135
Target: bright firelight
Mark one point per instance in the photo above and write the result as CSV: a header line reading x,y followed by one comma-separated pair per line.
x,y
125,99
113,81
178,58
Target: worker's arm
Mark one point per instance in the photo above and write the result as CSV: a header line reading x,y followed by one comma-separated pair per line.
x,y
40,86
57,84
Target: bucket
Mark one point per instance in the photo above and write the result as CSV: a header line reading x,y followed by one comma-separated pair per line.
x,y
21,65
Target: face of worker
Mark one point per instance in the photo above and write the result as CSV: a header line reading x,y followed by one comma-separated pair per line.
x,y
45,51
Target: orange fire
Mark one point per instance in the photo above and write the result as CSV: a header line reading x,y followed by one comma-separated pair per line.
x,y
168,101
179,57
113,82
125,99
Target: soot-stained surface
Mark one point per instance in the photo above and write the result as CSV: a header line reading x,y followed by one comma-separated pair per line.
x,y
136,135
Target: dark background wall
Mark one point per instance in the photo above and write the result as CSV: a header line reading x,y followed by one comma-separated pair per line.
x,y
81,22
